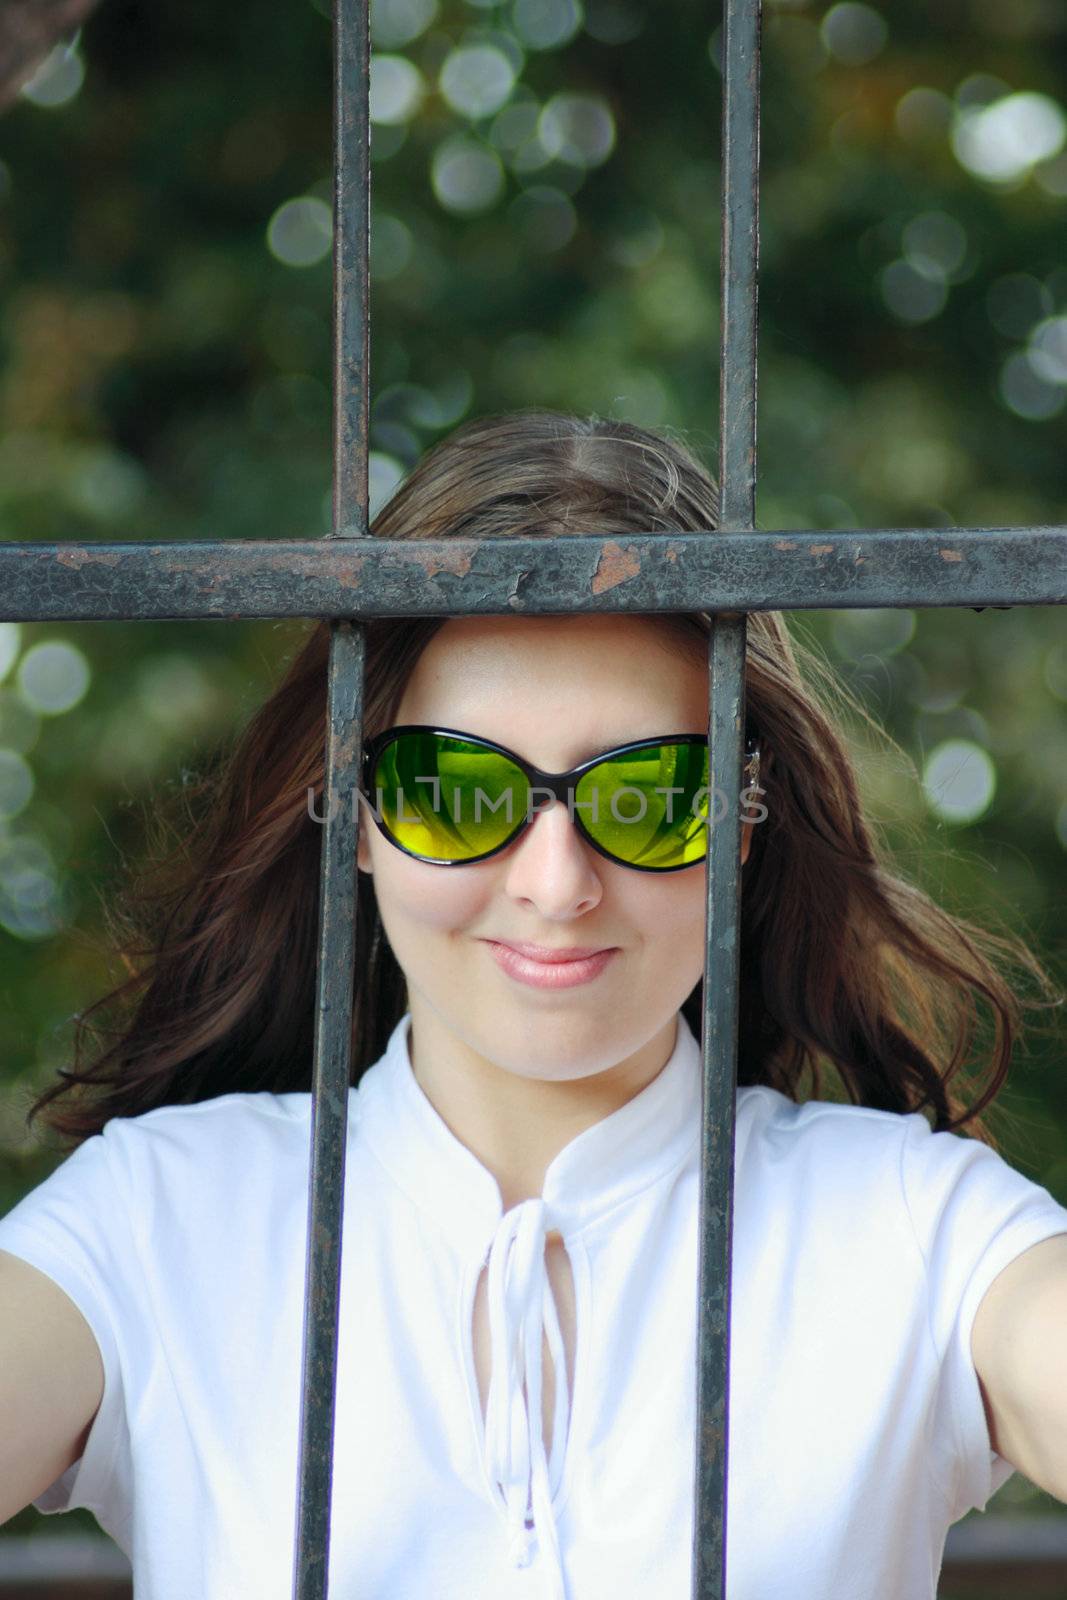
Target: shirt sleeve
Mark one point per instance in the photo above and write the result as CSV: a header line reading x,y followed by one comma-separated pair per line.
x,y
972,1214
75,1228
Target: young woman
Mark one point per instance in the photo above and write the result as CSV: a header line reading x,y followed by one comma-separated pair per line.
x,y
515,1405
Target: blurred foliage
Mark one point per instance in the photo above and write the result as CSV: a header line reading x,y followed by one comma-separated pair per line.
x,y
545,231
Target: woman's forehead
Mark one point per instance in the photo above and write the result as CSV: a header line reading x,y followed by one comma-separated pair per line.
x,y
602,679
555,641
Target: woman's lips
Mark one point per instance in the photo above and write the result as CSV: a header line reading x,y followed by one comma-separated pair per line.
x,y
549,974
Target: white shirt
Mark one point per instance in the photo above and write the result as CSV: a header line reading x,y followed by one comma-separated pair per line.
x,y
863,1244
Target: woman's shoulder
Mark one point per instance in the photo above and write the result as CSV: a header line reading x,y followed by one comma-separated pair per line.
x,y
847,1154
831,1148
229,1137
768,1115
223,1113
220,1116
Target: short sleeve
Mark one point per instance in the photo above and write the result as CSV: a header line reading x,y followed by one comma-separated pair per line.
x,y
972,1214
75,1228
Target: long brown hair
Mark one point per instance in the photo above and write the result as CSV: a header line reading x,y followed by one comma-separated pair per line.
x,y
846,967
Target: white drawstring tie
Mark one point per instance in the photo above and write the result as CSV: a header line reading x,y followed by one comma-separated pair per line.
x,y
521,1308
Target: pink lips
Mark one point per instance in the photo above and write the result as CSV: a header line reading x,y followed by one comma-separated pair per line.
x,y
578,964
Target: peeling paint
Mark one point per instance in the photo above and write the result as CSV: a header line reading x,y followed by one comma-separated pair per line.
x,y
614,567
77,558
350,575
454,558
785,544
950,555
820,549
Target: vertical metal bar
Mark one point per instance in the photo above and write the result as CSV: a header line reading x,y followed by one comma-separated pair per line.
x,y
343,754
726,728
351,238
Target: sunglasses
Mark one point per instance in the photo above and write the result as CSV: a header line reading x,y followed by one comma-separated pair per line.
x,y
449,798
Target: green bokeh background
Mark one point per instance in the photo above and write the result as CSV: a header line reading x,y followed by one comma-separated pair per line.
x,y
165,374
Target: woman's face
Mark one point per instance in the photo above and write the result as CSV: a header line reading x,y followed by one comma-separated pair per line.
x,y
556,690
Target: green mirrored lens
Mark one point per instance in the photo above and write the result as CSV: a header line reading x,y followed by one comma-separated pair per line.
x,y
649,808
446,799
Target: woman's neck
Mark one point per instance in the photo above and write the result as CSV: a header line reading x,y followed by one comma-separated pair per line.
x,y
516,1123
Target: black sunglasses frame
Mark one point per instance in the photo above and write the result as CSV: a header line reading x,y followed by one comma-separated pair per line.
x,y
559,784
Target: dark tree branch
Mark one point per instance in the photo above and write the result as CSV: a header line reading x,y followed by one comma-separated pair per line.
x,y
28,31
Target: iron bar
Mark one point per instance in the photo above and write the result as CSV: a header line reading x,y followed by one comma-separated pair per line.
x,y
733,570
739,277
343,754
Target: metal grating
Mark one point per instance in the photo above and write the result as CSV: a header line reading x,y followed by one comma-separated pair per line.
x,y
349,577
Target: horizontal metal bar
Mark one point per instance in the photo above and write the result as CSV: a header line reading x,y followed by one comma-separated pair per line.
x,y
766,571
76,1563
993,1537
997,1536
49,1557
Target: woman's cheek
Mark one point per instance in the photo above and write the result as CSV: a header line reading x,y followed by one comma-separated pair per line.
x,y
438,899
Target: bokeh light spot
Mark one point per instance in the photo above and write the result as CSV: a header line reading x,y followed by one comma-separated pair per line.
x,y
300,232
10,638
935,245
1026,392
910,295
175,692
578,128
878,630
394,23
467,177
1047,352
855,34
1001,141
396,91
16,783
959,780
53,677
476,80
546,24
923,113
613,21
20,727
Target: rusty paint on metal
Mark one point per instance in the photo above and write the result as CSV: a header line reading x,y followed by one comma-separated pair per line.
x,y
454,558
615,566
82,556
350,573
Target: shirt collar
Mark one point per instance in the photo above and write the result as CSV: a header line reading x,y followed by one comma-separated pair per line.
x,y
615,1158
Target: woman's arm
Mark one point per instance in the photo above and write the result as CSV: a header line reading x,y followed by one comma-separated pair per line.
x,y
51,1383
1019,1346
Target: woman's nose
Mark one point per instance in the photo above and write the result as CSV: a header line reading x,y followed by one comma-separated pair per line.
x,y
552,865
